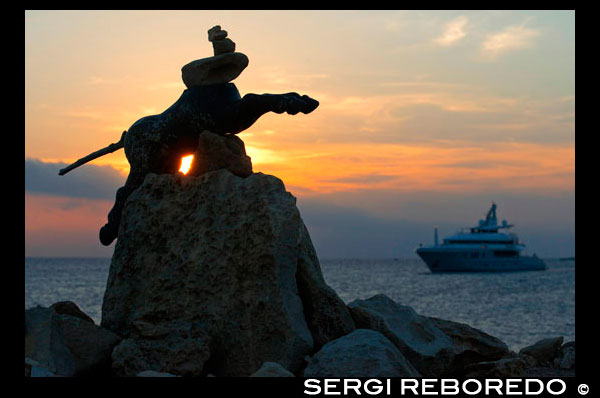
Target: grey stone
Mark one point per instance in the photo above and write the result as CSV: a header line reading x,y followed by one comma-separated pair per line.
x,y
272,369
217,151
223,46
152,373
566,359
216,33
544,351
362,353
221,68
70,308
427,348
505,367
218,256
66,345
469,345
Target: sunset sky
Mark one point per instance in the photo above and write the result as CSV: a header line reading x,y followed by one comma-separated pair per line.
x,y
425,117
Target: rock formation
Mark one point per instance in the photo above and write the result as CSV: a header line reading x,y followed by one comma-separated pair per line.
x,y
362,353
216,274
424,345
65,344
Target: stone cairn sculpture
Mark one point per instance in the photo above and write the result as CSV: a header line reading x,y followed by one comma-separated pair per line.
x,y
210,104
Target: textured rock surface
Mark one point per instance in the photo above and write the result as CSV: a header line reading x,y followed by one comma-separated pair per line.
x,y
216,33
151,373
272,369
544,351
566,359
223,46
362,353
469,345
217,151
70,308
213,259
221,68
506,367
427,348
67,345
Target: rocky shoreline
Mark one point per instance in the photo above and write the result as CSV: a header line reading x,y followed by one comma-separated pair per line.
x,y
214,274
62,341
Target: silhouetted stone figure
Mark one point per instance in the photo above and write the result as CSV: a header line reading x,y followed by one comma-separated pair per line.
x,y
155,144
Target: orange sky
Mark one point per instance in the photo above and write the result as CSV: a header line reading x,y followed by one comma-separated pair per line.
x,y
452,102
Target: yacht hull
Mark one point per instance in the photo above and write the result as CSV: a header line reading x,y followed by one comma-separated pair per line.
x,y
460,261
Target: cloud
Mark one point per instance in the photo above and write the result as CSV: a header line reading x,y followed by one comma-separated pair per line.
x,y
455,31
88,181
511,38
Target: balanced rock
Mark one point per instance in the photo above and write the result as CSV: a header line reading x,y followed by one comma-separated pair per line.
x,y
217,151
427,348
469,345
362,353
67,345
223,46
212,262
221,68
216,33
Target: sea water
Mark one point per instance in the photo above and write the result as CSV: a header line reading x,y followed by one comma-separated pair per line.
x,y
519,308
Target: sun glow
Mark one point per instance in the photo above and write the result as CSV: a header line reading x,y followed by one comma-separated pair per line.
x,y
186,163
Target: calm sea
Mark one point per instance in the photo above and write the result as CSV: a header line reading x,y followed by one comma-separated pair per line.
x,y
519,308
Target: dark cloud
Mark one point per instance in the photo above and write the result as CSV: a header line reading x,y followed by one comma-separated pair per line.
x,y
88,181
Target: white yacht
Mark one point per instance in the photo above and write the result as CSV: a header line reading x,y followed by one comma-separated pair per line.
x,y
482,248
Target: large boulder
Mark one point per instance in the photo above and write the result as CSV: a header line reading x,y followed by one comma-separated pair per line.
x,y
505,367
70,308
67,345
566,358
544,351
362,353
418,339
469,345
215,262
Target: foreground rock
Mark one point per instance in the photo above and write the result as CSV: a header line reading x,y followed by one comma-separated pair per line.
x,y
544,351
362,353
469,345
566,357
272,369
506,367
67,345
427,348
205,275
